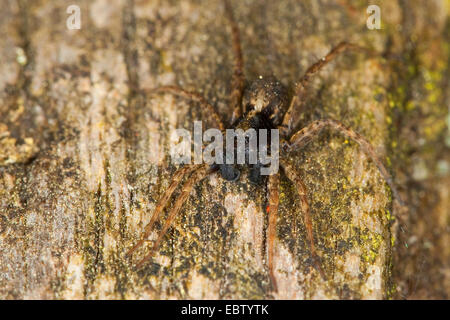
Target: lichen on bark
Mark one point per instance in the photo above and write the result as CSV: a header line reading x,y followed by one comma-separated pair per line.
x,y
84,156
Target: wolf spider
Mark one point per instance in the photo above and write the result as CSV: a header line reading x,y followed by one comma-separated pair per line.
x,y
265,104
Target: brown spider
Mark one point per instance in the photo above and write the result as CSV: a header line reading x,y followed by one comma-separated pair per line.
x,y
265,104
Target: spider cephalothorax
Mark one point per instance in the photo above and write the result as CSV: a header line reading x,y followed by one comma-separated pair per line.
x,y
264,104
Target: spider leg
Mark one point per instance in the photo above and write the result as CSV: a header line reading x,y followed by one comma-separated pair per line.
x,y
238,80
177,177
197,176
292,174
301,86
274,182
193,96
304,136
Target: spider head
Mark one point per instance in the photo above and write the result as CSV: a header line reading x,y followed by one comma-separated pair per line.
x,y
232,173
229,172
268,96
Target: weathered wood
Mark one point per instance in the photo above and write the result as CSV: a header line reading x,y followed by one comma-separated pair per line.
x,y
84,156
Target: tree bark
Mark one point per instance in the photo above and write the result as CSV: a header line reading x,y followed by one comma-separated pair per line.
x,y
84,156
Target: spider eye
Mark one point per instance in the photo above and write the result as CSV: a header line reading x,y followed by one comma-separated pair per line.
x,y
255,175
230,173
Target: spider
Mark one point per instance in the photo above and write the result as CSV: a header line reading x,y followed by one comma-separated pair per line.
x,y
264,104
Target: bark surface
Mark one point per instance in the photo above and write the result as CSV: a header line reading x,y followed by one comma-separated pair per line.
x,y
84,157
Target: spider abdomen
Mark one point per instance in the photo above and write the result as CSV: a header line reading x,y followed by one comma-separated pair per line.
x,y
268,97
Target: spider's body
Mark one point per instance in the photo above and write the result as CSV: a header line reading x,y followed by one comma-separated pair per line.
x,y
267,98
264,104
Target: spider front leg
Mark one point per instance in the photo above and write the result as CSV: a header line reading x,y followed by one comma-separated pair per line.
x,y
199,174
292,174
301,87
176,179
304,136
274,183
238,80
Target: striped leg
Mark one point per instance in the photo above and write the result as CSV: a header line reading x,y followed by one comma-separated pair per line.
x,y
304,136
274,183
292,174
300,89
238,80
193,96
176,179
198,175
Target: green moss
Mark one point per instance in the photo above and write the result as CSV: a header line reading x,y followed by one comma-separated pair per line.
x,y
371,243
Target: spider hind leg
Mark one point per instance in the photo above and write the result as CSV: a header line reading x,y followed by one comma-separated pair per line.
x,y
206,107
238,79
297,100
